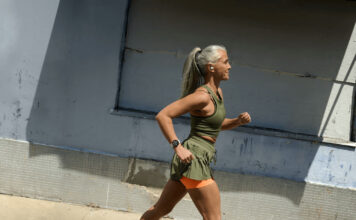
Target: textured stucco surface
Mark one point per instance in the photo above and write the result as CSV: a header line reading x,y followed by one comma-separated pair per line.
x,y
130,184
292,62
293,69
60,72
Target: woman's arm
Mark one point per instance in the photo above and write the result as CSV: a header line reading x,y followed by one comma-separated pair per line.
x,y
230,123
194,101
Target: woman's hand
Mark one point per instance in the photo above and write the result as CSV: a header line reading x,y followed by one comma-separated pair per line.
x,y
230,123
244,118
184,154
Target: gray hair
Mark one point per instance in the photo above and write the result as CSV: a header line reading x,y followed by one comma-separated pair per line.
x,y
209,54
194,67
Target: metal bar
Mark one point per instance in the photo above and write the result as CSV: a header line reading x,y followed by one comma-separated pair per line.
x,y
122,53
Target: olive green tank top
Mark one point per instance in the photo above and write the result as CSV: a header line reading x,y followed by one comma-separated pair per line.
x,y
209,125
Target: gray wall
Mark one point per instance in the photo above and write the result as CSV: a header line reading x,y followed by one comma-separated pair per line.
x,y
270,45
59,63
25,33
132,184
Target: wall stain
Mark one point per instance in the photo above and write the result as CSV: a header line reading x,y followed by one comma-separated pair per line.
x,y
19,80
149,177
331,177
245,147
17,113
330,157
131,168
241,148
136,131
245,141
260,165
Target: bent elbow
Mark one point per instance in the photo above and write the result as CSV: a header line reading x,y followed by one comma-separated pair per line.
x,y
162,116
158,116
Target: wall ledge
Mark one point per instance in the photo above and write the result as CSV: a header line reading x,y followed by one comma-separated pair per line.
x,y
246,129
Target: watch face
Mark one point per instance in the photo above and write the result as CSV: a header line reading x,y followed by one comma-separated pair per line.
x,y
175,143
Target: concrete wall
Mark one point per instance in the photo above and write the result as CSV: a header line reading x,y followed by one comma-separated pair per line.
x,y
271,45
132,184
59,63
59,70
25,34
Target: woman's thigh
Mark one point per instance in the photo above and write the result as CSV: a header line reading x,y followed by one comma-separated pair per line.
x,y
172,193
207,200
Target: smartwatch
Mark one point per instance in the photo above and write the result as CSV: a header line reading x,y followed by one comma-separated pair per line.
x,y
175,143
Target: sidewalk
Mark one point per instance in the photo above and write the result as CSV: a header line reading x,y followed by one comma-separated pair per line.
x,y
20,208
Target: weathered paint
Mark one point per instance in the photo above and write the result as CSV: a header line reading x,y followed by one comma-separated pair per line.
x,y
270,46
59,74
101,181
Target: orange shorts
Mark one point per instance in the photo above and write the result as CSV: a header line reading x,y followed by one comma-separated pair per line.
x,y
191,183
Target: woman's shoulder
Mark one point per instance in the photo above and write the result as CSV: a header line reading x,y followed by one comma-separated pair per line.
x,y
202,89
201,94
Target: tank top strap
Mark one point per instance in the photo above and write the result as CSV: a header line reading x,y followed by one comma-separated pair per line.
x,y
216,99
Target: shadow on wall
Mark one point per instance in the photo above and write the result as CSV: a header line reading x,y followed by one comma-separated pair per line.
x,y
78,85
154,174
285,58
337,98
79,76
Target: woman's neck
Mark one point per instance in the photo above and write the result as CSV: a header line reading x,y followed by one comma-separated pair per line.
x,y
214,85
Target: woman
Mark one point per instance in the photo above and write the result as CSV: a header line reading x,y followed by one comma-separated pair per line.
x,y
202,97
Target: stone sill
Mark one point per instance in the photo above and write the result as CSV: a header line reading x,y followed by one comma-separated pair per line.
x,y
244,128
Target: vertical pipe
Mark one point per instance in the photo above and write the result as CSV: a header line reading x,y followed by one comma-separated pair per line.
x,y
353,110
122,53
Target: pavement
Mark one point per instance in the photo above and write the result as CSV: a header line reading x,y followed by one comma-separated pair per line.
x,y
21,208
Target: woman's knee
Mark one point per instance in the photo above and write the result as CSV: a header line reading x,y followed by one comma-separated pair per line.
x,y
163,209
211,216
152,213
160,210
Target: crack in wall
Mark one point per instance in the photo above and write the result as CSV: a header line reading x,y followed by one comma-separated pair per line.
x,y
130,170
264,69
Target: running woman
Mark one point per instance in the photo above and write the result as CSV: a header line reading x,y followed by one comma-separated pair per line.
x,y
190,168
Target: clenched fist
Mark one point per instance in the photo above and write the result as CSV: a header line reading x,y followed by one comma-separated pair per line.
x,y
184,154
244,118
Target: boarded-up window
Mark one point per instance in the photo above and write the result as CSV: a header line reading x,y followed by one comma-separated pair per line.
x,y
285,59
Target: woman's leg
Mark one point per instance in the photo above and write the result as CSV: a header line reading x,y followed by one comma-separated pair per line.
x,y
207,200
172,193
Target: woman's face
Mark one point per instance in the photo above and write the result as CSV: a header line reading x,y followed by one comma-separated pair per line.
x,y
222,66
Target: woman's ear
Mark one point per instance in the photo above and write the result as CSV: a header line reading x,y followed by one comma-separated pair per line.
x,y
210,67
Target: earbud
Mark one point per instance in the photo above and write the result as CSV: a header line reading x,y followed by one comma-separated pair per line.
x,y
211,67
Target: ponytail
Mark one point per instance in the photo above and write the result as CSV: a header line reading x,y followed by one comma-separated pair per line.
x,y
192,76
194,67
